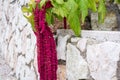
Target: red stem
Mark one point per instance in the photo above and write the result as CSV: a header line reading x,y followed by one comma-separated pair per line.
x,y
65,23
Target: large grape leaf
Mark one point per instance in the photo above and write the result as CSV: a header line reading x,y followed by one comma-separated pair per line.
x,y
92,4
60,10
74,22
83,9
71,5
101,11
49,17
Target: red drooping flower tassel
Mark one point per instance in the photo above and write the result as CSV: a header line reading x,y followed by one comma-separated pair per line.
x,y
46,48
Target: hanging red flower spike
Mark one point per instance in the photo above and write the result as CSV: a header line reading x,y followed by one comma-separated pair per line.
x,y
46,48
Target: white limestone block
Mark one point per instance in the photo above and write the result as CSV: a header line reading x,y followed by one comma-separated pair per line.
x,y
76,66
82,43
75,39
109,24
102,60
61,47
17,43
5,70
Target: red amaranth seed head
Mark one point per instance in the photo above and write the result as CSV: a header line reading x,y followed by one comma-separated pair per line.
x,y
46,48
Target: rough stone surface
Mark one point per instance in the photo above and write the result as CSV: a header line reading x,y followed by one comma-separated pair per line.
x,y
76,66
61,47
64,32
101,36
82,43
5,70
18,49
97,36
4,67
7,78
17,42
103,48
75,39
109,24
119,6
102,60
118,69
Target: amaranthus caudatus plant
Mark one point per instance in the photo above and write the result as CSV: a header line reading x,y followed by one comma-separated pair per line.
x,y
74,11
46,48
40,14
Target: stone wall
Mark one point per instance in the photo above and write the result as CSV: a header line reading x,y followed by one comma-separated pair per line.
x,y
17,41
95,56
109,24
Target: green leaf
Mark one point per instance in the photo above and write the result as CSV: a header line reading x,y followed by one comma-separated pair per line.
x,y
58,17
60,1
49,18
32,3
42,2
31,21
25,9
117,1
60,11
28,13
101,11
74,22
71,5
92,5
96,1
30,7
83,9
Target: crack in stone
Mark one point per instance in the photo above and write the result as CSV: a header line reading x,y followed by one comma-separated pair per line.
x,y
61,62
10,39
19,54
16,45
20,30
12,2
118,69
29,36
2,0
7,19
29,64
19,77
0,48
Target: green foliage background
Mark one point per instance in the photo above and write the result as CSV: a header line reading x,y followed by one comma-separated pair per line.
x,y
75,11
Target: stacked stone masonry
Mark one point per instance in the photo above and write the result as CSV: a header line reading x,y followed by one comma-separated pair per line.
x,y
17,41
95,56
